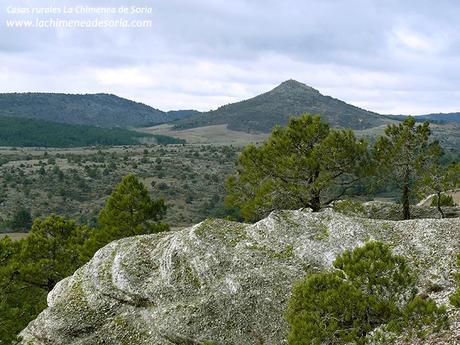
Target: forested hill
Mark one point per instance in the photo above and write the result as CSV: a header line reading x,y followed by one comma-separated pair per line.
x,y
261,113
39,133
101,110
446,117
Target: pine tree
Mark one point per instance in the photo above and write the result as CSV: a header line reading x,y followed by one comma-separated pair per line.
x,y
403,154
129,211
369,287
305,164
31,267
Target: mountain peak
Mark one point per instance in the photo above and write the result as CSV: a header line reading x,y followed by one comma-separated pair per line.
x,y
291,98
291,84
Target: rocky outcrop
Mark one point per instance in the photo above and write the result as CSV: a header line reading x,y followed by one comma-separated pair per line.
x,y
392,211
221,282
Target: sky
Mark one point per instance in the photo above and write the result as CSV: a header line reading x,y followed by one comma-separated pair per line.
x,y
388,56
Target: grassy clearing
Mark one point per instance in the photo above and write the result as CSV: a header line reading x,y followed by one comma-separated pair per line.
x,y
15,236
216,134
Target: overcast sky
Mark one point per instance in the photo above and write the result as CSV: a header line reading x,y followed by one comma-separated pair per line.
x,y
386,56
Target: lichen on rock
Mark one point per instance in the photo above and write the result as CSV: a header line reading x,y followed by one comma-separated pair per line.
x,y
225,282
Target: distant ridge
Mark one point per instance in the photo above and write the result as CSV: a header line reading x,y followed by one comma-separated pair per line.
x,y
263,112
101,110
453,118
444,117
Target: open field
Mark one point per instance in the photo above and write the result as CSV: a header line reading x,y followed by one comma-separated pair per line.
x,y
15,236
216,134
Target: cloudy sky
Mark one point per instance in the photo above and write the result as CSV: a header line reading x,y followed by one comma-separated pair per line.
x,y
388,56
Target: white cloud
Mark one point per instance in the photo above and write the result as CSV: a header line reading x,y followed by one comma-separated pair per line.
x,y
126,77
414,40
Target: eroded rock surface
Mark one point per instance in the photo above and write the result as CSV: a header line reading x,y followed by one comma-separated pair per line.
x,y
224,282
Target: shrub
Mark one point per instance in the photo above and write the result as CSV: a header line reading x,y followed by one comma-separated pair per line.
x,y
22,220
326,306
446,200
370,287
349,207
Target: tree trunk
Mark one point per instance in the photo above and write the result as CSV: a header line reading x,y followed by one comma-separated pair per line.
x,y
438,204
315,203
405,198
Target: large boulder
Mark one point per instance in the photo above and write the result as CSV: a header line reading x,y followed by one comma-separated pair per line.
x,y
221,282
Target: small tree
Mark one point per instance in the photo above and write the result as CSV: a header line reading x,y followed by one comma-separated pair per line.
x,y
128,211
370,287
438,179
403,155
305,164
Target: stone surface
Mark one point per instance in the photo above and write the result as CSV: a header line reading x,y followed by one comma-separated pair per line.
x,y
392,211
224,282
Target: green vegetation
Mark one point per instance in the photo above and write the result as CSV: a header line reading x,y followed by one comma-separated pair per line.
x,y
403,155
101,110
31,267
56,247
39,133
75,183
305,164
443,200
22,220
369,288
129,211
167,140
433,118
439,179
262,113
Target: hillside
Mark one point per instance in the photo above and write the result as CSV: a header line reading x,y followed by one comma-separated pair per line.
x,y
449,117
21,132
221,282
261,113
101,110
433,118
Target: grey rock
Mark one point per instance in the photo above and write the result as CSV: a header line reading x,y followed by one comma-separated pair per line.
x,y
392,211
224,282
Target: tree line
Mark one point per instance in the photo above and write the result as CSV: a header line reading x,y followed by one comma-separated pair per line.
x,y
307,164
38,133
